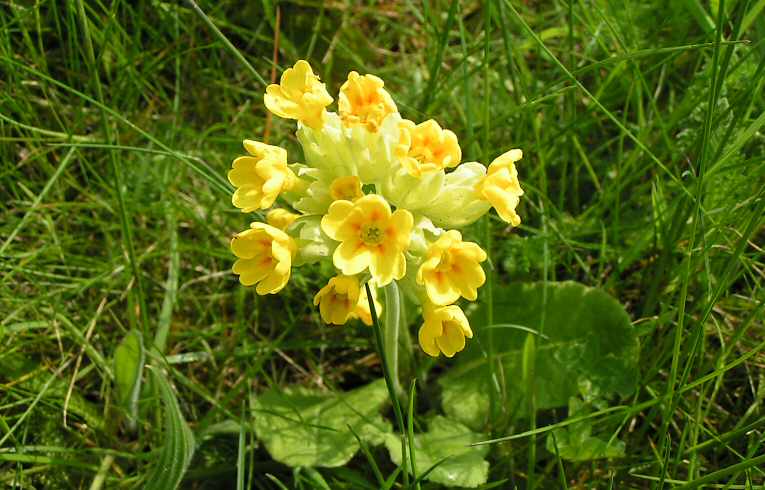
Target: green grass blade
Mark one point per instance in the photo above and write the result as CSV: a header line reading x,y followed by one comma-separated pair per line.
x,y
237,54
127,230
38,199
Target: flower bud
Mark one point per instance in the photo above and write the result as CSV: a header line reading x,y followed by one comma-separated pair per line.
x,y
280,218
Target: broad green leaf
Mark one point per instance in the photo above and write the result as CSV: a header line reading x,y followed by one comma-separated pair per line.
x,y
587,337
178,446
447,442
302,427
576,442
128,366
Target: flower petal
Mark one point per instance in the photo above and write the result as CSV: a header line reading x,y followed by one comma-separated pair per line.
x,y
351,257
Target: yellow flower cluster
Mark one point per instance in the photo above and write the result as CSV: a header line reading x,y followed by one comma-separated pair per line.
x,y
378,195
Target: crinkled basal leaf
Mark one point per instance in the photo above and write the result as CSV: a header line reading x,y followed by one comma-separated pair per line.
x,y
302,427
128,365
447,442
588,337
576,442
178,445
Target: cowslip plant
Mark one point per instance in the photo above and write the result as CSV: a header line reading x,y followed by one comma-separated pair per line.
x,y
378,196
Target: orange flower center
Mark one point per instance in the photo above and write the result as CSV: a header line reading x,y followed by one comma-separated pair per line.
x,y
371,234
446,264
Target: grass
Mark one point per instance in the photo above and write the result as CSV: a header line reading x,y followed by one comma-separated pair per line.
x,y
644,171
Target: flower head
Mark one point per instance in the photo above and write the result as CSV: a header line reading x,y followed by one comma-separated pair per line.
x,y
260,177
364,101
346,188
280,218
338,299
425,147
444,330
265,257
452,269
415,171
299,95
501,186
370,236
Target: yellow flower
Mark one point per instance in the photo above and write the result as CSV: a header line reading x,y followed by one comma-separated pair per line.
x,y
260,177
338,299
346,188
363,101
362,311
426,147
265,257
281,218
501,186
371,237
452,269
444,330
299,95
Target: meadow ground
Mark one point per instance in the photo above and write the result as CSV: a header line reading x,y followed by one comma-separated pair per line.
x,y
644,176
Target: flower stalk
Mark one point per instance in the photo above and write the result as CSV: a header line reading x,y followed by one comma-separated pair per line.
x,y
390,382
392,332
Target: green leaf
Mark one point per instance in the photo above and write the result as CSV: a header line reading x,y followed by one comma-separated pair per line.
x,y
178,447
302,427
587,337
576,442
128,365
446,444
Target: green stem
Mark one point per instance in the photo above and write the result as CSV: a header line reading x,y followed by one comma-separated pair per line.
x,y
410,433
392,327
387,373
529,365
489,286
